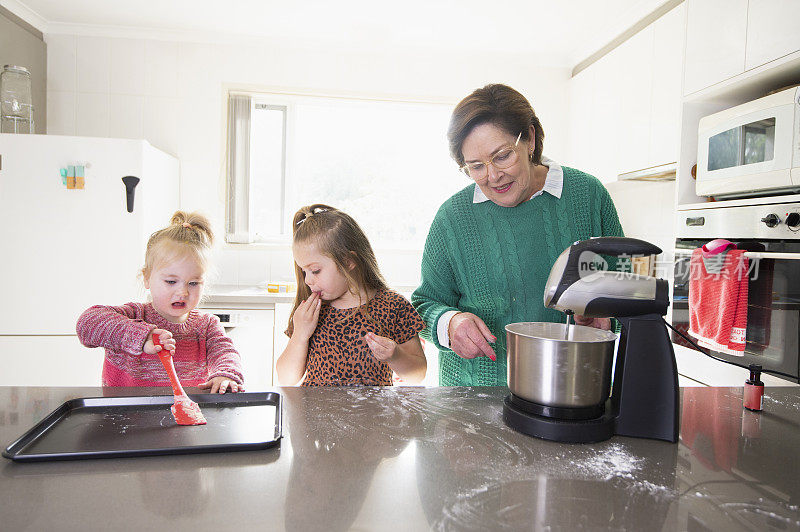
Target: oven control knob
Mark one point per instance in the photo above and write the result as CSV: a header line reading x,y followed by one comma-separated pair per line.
x,y
793,220
771,220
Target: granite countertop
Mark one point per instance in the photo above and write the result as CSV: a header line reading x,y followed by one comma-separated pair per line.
x,y
412,458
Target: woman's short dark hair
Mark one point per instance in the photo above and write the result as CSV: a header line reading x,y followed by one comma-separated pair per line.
x,y
501,106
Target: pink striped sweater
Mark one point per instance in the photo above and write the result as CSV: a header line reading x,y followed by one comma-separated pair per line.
x,y
202,350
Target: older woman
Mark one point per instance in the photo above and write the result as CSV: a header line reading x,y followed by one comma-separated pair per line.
x,y
491,245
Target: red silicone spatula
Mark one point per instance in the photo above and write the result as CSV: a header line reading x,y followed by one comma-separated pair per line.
x,y
185,411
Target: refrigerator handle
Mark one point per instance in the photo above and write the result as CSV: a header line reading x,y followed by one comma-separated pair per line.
x,y
130,184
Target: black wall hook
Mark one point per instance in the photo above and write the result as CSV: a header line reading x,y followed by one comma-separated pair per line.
x,y
130,185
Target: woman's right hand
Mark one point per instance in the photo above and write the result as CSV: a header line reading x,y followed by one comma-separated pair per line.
x,y
470,337
306,316
164,338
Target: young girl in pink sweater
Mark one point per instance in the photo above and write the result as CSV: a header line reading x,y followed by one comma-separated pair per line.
x,y
176,261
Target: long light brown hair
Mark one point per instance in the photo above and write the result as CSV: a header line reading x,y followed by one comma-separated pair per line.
x,y
188,234
339,237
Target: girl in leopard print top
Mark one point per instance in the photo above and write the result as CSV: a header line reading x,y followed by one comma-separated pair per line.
x,y
346,328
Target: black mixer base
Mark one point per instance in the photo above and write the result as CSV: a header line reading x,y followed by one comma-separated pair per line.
x,y
572,431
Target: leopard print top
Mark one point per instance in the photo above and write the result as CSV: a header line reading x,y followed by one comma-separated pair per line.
x,y
337,354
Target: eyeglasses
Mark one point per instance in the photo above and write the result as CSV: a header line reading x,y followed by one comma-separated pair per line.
x,y
505,158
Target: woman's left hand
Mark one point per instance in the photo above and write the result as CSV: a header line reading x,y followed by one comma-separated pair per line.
x,y
221,385
382,348
597,323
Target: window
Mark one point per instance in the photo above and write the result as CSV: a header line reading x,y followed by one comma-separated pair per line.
x,y
386,163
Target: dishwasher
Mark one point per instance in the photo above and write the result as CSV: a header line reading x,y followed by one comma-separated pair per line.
x,y
252,333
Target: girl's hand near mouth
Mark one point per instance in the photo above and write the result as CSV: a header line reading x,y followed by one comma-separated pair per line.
x,y
306,316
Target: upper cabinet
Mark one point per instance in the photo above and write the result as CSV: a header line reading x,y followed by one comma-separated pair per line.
x,y
665,104
716,35
625,107
772,30
725,38
635,71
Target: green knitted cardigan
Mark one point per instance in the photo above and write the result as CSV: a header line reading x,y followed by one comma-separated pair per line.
x,y
494,261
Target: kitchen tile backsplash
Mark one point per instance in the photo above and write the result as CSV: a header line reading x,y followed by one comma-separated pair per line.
x,y
127,66
161,69
61,113
126,119
249,267
225,267
254,266
93,64
61,63
92,115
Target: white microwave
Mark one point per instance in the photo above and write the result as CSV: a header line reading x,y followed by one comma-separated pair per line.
x,y
752,149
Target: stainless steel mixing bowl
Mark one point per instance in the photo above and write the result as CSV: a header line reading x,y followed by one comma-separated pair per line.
x,y
546,368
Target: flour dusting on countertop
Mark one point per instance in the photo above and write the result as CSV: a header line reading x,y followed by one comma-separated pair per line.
x,y
613,461
788,403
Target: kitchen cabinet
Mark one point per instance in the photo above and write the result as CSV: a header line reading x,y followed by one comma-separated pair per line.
x,y
282,313
665,104
635,57
716,36
582,105
604,126
49,361
625,107
772,30
252,331
725,38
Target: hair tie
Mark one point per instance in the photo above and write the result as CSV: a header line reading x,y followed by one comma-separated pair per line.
x,y
187,225
311,213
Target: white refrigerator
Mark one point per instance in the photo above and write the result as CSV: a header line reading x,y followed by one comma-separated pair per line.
x,y
65,249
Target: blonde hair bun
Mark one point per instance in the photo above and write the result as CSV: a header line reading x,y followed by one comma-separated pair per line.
x,y
187,233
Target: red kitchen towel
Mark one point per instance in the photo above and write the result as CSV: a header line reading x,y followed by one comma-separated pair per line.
x,y
718,301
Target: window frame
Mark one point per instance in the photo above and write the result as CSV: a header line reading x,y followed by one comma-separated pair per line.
x,y
278,99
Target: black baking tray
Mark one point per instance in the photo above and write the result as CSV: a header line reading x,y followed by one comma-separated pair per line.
x,y
113,427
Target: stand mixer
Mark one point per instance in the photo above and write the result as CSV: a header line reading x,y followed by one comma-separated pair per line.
x,y
560,375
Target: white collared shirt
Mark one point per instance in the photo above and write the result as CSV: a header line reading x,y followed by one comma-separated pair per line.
x,y
553,185
553,182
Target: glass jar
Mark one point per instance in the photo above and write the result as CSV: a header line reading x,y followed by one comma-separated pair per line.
x,y
16,105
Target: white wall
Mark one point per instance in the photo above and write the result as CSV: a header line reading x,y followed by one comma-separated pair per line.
x,y
171,93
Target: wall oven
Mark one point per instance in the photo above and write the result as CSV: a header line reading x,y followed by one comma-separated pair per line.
x,y
771,235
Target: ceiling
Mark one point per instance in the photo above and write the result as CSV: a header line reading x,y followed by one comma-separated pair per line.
x,y
553,32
